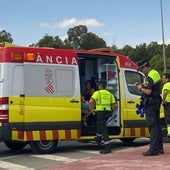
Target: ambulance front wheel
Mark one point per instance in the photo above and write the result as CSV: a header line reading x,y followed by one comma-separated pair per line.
x,y
43,147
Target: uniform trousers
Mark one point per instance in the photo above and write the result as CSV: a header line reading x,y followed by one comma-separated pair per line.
x,y
101,128
153,122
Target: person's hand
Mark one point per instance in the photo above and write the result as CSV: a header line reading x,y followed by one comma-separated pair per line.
x,y
139,86
164,103
135,84
93,111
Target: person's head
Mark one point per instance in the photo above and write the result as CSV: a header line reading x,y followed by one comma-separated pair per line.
x,y
88,84
144,66
101,84
165,77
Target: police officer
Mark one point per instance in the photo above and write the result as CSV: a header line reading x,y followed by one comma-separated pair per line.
x,y
151,89
101,103
166,102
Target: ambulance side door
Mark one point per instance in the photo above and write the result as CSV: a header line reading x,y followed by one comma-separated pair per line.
x,y
131,95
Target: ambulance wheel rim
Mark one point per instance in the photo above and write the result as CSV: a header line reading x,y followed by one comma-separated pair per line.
x,y
43,147
45,144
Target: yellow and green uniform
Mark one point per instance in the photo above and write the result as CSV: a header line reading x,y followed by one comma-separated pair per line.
x,y
152,109
103,99
166,86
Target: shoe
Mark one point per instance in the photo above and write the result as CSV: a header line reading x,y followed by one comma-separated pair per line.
x,y
161,151
151,153
105,151
166,139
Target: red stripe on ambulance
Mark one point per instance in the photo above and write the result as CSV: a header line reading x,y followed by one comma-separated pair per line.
x,y
42,135
29,135
55,134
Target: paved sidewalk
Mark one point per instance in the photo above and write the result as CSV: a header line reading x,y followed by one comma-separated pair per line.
x,y
129,159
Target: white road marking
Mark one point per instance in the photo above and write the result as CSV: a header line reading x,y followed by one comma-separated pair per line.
x,y
55,158
11,166
91,152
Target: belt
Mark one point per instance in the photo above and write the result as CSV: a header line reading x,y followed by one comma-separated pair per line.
x,y
107,111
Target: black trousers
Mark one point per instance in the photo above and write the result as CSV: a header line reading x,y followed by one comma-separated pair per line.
x,y
167,113
153,122
101,128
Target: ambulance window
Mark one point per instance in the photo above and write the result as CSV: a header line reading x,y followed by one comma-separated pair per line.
x,y
131,78
65,81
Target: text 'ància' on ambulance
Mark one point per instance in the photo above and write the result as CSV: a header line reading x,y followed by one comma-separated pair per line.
x,y
40,96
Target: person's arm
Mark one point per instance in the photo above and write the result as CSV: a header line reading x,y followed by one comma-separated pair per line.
x,y
92,104
145,91
113,102
148,89
82,99
113,105
165,93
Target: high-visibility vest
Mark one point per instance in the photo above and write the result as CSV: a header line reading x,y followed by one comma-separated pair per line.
x,y
103,99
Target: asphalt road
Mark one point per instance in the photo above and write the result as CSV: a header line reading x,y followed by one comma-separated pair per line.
x,y
66,151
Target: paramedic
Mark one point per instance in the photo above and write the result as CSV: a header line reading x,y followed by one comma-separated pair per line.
x,y
166,102
101,104
151,99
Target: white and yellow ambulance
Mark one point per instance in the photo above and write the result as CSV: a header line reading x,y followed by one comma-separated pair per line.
x,y
40,95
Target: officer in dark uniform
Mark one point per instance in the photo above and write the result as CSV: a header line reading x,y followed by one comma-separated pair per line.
x,y
151,100
101,104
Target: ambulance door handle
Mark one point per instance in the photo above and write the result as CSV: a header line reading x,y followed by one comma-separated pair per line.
x,y
131,101
74,101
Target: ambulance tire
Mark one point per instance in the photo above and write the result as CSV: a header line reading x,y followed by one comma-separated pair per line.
x,y
43,147
127,140
15,145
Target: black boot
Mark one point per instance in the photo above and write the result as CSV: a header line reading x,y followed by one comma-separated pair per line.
x,y
107,149
151,153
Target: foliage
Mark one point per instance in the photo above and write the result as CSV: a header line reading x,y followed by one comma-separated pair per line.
x,y
75,35
78,37
91,41
50,41
5,36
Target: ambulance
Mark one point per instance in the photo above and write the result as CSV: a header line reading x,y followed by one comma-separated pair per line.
x,y
40,96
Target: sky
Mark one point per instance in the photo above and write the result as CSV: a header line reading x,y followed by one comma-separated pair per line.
x,y
118,22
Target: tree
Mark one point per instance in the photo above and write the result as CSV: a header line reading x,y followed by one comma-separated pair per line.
x,y
114,48
5,36
67,44
91,41
50,41
140,52
167,51
75,34
58,43
127,50
154,49
46,41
